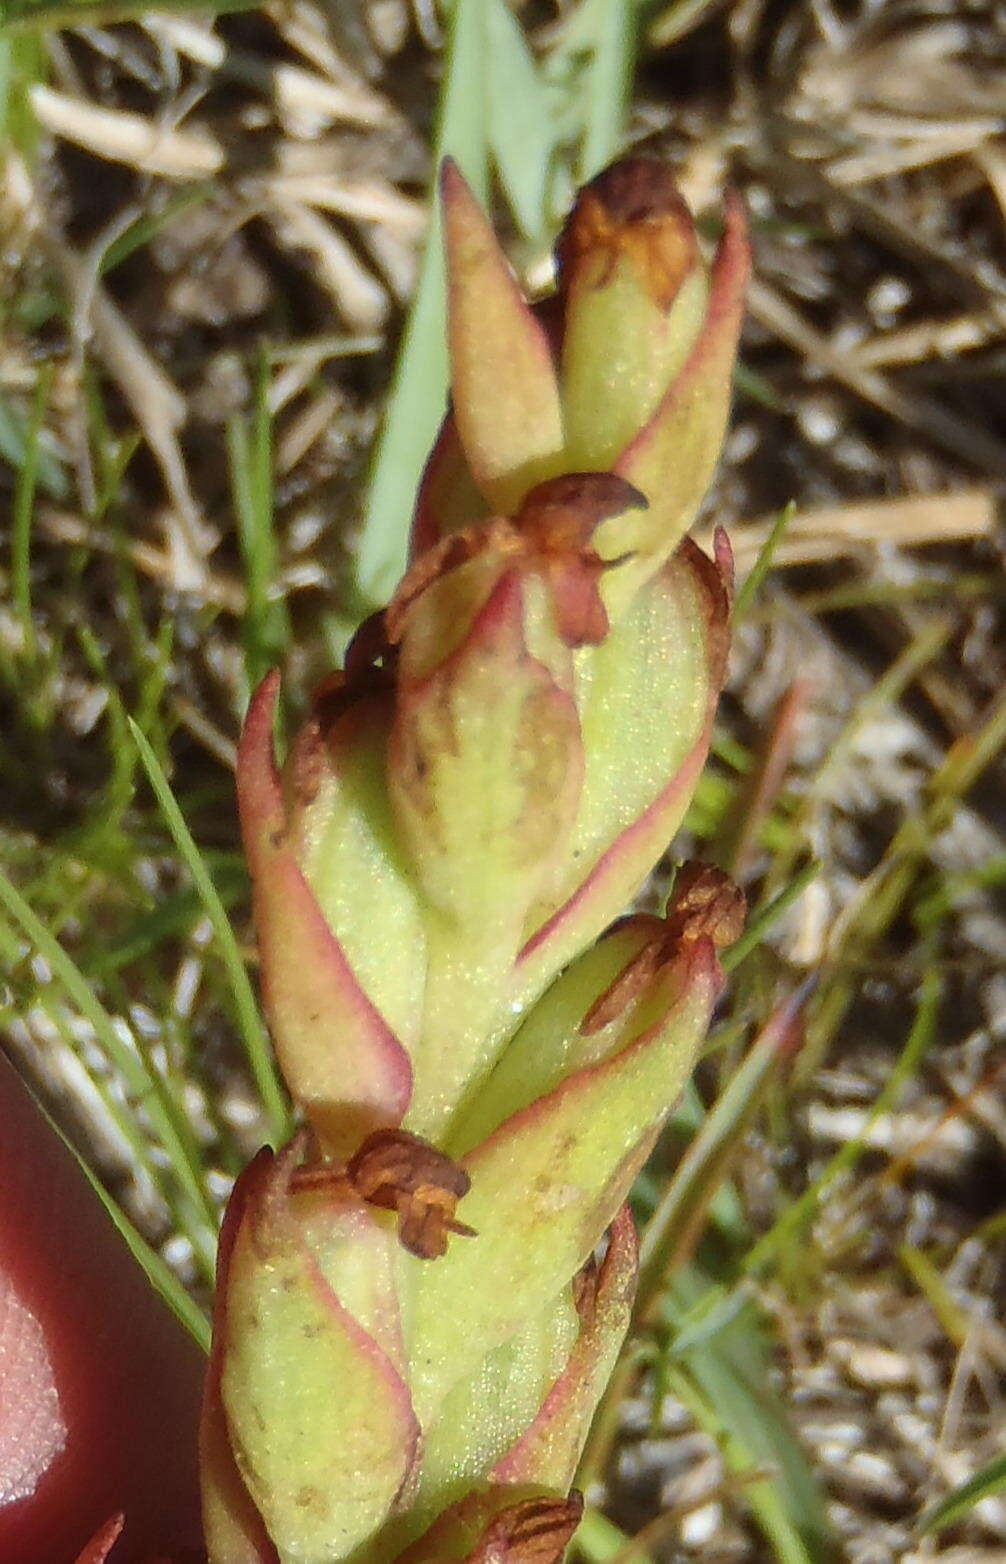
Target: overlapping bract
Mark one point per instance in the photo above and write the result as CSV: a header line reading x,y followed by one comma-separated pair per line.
x,y
486,786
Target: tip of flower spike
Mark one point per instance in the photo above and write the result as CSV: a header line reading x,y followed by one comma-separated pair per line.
x,y
632,209
635,189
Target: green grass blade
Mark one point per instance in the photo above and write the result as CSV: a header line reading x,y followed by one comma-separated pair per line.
x,y
984,1485
24,505
726,1385
196,1224
675,1226
171,919
614,25
253,1032
160,1275
759,925
522,143
787,1229
955,1319
166,1115
418,394
951,889
599,1541
751,585
265,627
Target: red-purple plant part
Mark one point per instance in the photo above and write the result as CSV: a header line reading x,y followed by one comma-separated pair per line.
x,y
99,1383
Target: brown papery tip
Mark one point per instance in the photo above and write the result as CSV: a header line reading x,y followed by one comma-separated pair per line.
x,y
537,1531
633,208
406,1174
706,904
566,510
637,189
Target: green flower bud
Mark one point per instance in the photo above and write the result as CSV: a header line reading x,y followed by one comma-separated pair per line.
x,y
627,366
634,290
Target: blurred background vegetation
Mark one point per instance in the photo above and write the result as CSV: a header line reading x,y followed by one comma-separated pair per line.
x,y
221,364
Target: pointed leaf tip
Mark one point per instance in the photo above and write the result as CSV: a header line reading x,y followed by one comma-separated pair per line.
x,y
260,801
504,388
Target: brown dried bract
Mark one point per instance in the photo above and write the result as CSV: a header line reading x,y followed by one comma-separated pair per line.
x,y
627,986
564,512
633,209
536,1531
338,693
706,904
368,672
404,1173
550,533
369,646
557,519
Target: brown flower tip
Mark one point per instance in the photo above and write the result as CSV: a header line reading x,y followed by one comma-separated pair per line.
x,y
634,210
564,512
404,1173
550,533
451,553
557,520
536,1531
369,667
706,904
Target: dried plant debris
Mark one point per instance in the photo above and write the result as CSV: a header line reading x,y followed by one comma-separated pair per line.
x,y
209,233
